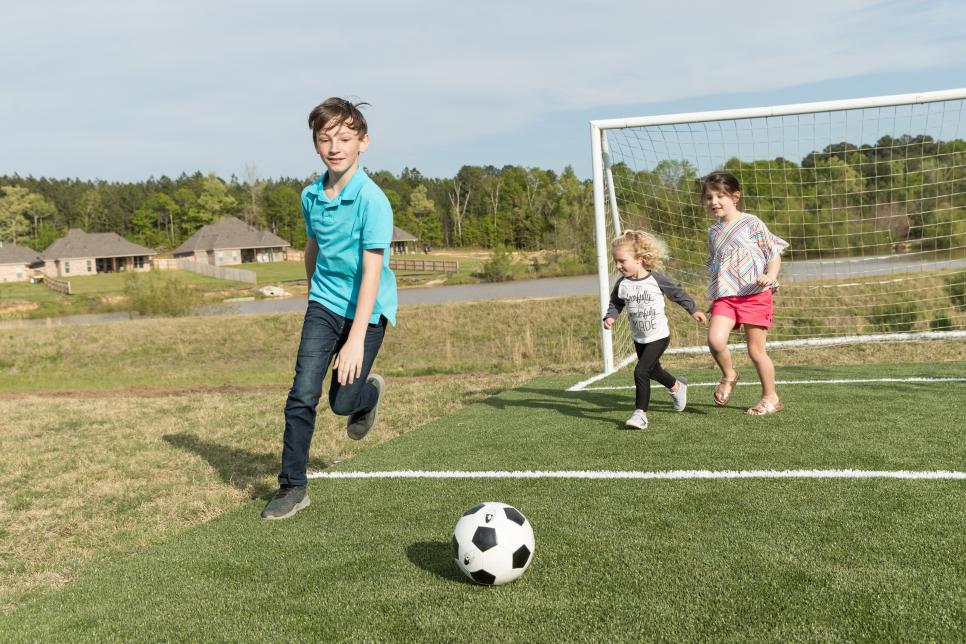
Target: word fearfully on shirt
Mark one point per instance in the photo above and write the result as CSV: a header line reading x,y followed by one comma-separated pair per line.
x,y
644,299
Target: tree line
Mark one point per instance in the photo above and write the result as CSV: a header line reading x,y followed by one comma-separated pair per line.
x,y
903,193
511,207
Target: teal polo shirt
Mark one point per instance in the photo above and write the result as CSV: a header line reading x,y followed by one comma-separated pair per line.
x,y
357,219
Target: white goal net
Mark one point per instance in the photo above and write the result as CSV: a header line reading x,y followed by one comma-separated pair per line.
x,y
869,193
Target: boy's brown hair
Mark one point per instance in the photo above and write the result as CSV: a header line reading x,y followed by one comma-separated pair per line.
x,y
333,112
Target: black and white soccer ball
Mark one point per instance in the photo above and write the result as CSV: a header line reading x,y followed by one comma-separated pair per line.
x,y
493,543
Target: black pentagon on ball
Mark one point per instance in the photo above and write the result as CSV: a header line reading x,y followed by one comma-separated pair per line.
x,y
456,549
514,515
483,577
484,538
474,509
521,557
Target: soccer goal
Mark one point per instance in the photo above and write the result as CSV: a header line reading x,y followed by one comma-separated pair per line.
x,y
870,194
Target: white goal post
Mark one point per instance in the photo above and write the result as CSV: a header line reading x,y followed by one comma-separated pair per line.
x,y
870,194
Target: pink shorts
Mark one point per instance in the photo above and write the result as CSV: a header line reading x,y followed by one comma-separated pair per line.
x,y
755,310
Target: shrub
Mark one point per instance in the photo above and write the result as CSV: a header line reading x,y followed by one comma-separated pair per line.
x,y
800,326
499,268
893,318
941,322
559,264
956,288
153,293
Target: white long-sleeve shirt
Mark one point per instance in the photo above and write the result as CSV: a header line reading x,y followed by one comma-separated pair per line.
x,y
644,299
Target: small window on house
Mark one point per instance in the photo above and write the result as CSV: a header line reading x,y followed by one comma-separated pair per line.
x,y
88,266
66,268
139,262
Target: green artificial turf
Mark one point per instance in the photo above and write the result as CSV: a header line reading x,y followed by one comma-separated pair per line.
x,y
616,560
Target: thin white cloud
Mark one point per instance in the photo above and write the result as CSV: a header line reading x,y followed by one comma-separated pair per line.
x,y
160,87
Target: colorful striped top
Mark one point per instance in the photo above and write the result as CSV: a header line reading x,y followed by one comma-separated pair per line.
x,y
737,254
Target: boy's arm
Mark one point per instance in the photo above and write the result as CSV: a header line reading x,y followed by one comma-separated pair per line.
x,y
311,255
349,361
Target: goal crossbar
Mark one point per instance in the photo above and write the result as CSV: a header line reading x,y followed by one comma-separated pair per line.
x,y
780,110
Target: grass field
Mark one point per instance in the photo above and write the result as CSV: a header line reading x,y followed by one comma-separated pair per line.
x,y
132,507
470,263
102,293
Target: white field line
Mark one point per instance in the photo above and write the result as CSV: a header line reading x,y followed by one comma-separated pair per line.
x,y
788,344
841,381
666,475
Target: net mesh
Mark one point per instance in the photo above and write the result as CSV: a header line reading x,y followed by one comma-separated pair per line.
x,y
871,200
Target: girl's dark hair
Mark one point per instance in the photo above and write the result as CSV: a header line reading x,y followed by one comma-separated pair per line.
x,y
335,111
722,181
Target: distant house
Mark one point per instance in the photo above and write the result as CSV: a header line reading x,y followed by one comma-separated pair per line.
x,y
17,263
232,241
401,241
80,253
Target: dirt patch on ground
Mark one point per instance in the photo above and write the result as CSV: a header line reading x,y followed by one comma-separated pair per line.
x,y
18,307
451,252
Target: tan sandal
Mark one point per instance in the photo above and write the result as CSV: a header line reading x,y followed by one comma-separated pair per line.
x,y
721,395
763,408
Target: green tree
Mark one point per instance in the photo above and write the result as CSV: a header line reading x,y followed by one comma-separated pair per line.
x,y
213,203
423,210
254,189
283,213
153,223
575,227
20,213
91,208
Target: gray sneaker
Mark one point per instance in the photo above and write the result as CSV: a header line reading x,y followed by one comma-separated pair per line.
x,y
359,425
680,397
287,501
638,420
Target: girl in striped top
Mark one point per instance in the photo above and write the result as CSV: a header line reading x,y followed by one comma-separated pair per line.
x,y
743,258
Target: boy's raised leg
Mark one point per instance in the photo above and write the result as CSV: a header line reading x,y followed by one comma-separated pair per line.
x,y
360,423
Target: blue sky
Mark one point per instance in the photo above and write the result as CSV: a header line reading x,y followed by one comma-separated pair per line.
x,y
127,90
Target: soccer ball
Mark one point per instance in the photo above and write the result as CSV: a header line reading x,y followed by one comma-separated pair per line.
x,y
493,543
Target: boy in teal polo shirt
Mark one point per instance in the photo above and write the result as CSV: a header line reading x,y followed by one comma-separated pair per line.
x,y
352,296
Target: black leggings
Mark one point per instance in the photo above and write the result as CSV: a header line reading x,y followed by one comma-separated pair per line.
x,y
649,368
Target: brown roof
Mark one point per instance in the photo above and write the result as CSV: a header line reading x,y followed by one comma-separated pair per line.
x,y
14,254
229,232
399,235
78,244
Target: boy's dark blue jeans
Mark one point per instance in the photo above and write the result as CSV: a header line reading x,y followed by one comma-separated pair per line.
x,y
323,334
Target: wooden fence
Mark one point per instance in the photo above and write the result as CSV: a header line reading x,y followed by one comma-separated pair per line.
x,y
61,286
222,273
424,265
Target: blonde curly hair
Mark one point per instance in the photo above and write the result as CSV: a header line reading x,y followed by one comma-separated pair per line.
x,y
650,250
